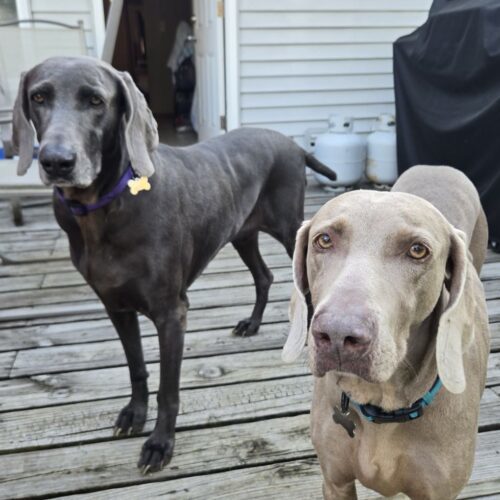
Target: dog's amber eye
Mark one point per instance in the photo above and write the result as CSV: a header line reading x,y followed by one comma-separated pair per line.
x,y
324,241
96,100
418,251
38,98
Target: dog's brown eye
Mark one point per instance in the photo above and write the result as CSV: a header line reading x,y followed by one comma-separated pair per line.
x,y
96,100
418,251
38,98
324,241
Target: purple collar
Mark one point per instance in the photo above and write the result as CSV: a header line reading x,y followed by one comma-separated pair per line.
x,y
81,209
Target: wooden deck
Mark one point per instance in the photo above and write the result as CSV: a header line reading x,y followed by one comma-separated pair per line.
x,y
243,425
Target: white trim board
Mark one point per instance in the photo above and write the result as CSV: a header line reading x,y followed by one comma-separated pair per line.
x,y
99,26
232,63
23,8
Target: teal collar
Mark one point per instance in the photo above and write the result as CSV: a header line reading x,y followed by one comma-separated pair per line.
x,y
376,415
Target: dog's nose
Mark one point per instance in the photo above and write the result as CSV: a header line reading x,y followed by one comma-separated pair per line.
x,y
56,159
345,334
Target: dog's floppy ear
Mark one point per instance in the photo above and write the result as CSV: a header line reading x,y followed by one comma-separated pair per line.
x,y
297,336
455,329
141,130
23,135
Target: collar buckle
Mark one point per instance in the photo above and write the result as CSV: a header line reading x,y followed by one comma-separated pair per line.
x,y
378,416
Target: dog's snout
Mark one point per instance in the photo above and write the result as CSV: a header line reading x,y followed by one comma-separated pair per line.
x,y
57,159
343,334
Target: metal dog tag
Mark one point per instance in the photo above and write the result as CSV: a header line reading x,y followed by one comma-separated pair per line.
x,y
138,184
341,418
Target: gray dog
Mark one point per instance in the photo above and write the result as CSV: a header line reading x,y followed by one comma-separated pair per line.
x,y
141,253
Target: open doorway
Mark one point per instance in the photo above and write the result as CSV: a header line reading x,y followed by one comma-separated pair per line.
x,y
146,38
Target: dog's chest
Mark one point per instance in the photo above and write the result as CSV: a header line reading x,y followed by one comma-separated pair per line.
x,y
390,464
101,268
110,269
378,463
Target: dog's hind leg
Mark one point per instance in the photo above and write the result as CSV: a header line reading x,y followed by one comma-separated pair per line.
x,y
248,248
132,417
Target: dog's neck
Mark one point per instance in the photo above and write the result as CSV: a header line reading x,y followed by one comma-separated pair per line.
x,y
114,162
411,380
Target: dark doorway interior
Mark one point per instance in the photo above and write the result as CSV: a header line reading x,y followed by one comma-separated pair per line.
x,y
145,40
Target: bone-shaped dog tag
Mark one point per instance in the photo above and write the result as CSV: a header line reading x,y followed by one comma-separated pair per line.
x,y
139,184
341,418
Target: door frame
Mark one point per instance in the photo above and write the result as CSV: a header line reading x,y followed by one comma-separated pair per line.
x,y
230,55
97,7
232,63
23,9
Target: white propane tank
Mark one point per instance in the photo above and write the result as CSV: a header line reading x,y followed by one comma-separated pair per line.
x,y
382,164
341,150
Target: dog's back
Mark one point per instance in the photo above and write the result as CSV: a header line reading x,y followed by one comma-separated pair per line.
x,y
454,195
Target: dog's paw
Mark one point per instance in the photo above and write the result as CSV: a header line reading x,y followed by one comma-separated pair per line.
x,y
155,454
131,419
246,328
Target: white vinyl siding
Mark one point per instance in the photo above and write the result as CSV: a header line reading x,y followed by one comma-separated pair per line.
x,y
68,12
302,60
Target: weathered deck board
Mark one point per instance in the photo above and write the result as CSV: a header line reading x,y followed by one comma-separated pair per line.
x,y
240,295
198,299
61,330
220,317
267,245
206,281
89,385
6,363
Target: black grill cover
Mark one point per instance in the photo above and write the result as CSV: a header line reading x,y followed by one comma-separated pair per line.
x,y
447,85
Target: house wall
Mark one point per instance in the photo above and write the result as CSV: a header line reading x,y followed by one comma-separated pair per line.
x,y
69,12
302,60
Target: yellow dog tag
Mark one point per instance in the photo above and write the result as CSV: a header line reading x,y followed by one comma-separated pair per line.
x,y
138,185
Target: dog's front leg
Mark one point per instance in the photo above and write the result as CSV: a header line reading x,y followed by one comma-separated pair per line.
x,y
158,449
132,417
344,492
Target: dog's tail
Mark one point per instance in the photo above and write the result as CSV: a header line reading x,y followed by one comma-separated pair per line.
x,y
319,167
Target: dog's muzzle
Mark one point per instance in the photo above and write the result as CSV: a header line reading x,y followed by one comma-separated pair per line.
x,y
57,161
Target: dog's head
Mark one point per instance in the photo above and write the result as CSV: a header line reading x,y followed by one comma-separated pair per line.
x,y
376,266
80,108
